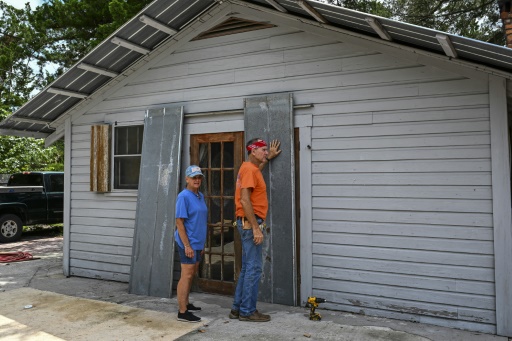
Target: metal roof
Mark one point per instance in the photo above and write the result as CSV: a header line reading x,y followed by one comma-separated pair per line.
x,y
163,18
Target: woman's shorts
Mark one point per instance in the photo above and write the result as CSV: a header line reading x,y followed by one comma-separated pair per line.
x,y
186,260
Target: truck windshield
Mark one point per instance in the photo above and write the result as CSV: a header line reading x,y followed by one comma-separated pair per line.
x,y
25,180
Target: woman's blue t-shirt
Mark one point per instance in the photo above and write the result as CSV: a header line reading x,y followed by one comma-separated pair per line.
x,y
192,208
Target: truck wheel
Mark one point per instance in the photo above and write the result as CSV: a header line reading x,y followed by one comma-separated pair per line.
x,y
11,228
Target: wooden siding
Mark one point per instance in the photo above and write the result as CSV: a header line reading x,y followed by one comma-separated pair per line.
x,y
401,217
402,206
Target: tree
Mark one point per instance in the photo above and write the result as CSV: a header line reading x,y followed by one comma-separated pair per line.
x,y
477,19
19,53
376,7
73,27
36,46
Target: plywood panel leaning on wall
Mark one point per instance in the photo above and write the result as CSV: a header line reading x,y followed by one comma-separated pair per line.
x,y
100,158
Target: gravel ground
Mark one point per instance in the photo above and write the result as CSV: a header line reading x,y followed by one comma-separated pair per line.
x,y
38,245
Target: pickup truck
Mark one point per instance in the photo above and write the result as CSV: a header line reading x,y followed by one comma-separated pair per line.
x,y
30,198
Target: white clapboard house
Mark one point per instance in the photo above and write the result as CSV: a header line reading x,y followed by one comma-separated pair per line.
x,y
391,197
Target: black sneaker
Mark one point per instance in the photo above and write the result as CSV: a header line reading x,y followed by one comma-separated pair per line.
x,y
187,316
192,307
234,314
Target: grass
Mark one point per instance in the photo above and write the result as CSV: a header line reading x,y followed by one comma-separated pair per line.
x,y
44,230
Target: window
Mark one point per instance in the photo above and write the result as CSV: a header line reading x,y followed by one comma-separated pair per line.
x,y
127,156
56,183
26,179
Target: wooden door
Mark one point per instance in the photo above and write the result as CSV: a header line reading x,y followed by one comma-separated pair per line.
x,y
220,157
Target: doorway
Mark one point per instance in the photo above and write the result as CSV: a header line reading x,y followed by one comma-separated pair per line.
x,y
219,156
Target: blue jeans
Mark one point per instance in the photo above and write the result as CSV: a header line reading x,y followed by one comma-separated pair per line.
x,y
246,293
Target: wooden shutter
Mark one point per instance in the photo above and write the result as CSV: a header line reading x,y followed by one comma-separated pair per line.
x,y
101,136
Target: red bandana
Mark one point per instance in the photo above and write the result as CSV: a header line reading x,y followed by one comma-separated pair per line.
x,y
257,144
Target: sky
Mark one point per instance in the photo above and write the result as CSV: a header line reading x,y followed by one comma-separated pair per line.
x,y
21,3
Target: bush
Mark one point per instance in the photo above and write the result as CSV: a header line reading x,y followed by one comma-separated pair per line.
x,y
44,230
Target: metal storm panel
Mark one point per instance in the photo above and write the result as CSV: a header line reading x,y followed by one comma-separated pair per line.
x,y
271,117
153,242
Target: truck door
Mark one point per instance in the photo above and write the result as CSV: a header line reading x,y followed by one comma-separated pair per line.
x,y
55,195
34,200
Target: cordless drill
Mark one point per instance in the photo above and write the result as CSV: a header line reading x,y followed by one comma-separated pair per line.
x,y
313,303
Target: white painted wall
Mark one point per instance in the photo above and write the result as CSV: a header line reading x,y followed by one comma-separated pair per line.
x,y
401,217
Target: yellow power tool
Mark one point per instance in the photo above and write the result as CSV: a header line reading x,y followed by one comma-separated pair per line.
x,y
313,303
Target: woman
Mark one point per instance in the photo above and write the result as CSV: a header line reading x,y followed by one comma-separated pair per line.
x,y
190,236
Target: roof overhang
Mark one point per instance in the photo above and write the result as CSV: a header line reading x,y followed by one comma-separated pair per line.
x,y
117,56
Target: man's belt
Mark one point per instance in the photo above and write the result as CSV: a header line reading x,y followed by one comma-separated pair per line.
x,y
245,226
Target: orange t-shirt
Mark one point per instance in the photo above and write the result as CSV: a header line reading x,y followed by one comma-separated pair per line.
x,y
249,176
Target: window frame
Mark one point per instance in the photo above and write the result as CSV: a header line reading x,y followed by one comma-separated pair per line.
x,y
129,191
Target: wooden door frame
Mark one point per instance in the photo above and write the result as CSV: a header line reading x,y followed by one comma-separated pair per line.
x,y
237,138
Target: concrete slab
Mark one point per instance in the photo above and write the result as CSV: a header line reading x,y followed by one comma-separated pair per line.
x,y
30,314
288,323
292,323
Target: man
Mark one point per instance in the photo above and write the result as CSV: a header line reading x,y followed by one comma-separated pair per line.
x,y
251,210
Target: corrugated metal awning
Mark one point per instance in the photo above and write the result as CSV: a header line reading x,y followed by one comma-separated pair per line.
x,y
163,18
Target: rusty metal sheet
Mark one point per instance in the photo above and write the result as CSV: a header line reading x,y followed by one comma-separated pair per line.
x,y
271,117
153,242
100,158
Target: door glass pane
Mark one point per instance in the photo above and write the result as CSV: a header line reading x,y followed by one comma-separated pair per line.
x,y
216,267
229,209
229,183
228,161
216,236
203,155
229,268
204,184
229,237
215,182
214,211
216,155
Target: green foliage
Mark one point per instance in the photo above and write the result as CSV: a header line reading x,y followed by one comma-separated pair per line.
x,y
18,51
477,19
73,27
55,230
376,7
28,154
36,46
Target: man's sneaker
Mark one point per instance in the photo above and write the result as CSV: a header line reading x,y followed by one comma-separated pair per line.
x,y
187,316
255,317
192,307
262,315
234,314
